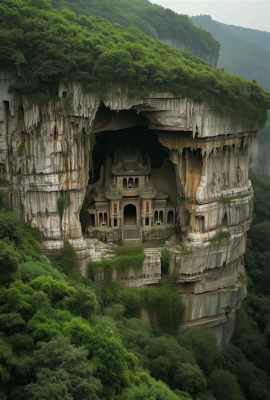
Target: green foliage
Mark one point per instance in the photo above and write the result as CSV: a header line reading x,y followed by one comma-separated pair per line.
x,y
62,371
8,261
126,259
54,344
164,306
224,382
111,360
203,343
242,51
10,227
63,45
66,259
165,260
150,389
220,235
62,203
132,301
164,24
32,269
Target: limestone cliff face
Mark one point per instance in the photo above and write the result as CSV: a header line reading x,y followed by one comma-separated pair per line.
x,y
45,152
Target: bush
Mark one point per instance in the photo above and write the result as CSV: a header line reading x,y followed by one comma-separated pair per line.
x,y
165,260
8,262
203,343
220,235
164,306
222,382
67,259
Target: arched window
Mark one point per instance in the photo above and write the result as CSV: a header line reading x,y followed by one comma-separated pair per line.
x,y
147,206
115,208
115,222
170,217
156,217
146,221
100,218
161,216
105,219
130,183
124,183
92,220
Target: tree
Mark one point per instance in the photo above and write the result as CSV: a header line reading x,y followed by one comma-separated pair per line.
x,y
8,262
62,371
203,343
66,258
223,383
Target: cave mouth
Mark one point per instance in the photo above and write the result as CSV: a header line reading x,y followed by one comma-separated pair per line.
x,y
140,139
131,178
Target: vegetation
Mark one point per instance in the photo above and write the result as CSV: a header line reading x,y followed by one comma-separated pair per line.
x,y
125,260
158,22
46,44
220,235
64,336
165,260
242,51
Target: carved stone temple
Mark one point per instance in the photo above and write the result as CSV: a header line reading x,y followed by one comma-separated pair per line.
x,y
130,204
159,170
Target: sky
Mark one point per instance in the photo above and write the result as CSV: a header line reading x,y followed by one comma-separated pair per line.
x,y
246,13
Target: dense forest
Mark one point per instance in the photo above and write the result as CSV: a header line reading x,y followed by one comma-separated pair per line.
x,y
44,44
63,336
66,337
243,51
163,24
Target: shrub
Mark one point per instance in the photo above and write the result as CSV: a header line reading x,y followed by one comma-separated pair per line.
x,y
220,235
8,262
165,260
164,306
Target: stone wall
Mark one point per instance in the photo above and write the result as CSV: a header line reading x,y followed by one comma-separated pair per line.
x,y
45,155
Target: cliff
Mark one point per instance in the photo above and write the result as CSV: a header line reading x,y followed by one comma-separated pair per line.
x,y
46,163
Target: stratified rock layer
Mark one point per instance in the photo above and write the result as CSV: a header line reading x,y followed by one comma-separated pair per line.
x,y
45,155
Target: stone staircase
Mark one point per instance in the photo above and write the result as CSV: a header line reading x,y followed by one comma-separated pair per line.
x,y
132,235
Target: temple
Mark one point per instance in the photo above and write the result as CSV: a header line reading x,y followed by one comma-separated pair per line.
x,y
129,203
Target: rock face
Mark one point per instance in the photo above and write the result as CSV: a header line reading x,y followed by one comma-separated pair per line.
x,y
45,162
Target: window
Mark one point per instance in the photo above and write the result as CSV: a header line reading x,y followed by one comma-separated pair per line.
x,y
146,221
100,218
136,183
147,206
115,208
170,217
124,183
130,183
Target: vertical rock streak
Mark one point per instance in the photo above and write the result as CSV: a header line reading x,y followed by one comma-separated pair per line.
x,y
45,151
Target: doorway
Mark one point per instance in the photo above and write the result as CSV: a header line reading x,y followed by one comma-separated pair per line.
x,y
130,215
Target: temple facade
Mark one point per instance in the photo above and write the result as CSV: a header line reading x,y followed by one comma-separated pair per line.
x,y
129,205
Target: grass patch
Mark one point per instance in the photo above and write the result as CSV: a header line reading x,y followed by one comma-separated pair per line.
x,y
220,235
126,258
227,199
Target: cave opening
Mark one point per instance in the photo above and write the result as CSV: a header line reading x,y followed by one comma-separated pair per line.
x,y
131,178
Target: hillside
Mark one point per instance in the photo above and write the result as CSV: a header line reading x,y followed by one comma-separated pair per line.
x,y
243,51
158,22
45,45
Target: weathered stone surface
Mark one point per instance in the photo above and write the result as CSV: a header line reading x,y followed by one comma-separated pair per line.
x,y
45,155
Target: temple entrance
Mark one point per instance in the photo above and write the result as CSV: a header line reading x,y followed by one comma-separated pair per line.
x,y
130,215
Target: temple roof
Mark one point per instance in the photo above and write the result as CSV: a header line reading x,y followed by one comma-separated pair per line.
x,y
129,162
